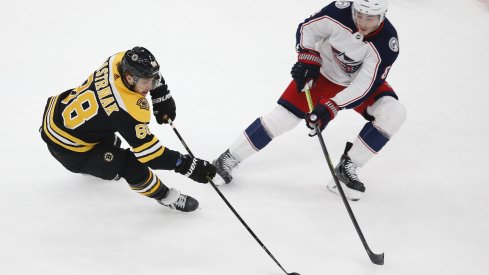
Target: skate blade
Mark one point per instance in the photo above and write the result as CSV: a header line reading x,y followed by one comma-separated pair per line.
x,y
351,195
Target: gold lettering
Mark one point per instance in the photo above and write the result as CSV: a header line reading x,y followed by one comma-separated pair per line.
x,y
101,82
106,101
103,65
104,70
104,92
111,108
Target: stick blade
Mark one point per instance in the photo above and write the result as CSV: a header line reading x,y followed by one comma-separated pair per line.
x,y
377,259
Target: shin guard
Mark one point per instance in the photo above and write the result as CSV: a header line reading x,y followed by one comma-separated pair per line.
x,y
368,143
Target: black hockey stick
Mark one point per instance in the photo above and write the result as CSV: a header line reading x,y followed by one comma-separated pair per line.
x,y
375,258
229,205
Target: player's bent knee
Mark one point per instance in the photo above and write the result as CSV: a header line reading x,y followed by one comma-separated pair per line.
x,y
279,121
261,132
133,171
389,113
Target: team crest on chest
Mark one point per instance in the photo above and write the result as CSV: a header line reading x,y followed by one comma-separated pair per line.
x,y
143,103
342,4
349,65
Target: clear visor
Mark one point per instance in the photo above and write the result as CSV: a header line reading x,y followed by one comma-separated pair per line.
x,y
145,82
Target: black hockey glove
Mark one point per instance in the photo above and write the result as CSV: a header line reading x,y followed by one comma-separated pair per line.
x,y
196,169
321,115
307,68
163,104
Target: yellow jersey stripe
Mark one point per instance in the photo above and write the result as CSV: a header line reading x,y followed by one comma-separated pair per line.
x,y
146,145
154,189
148,186
152,156
148,181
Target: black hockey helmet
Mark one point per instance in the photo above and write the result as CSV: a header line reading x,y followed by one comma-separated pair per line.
x,y
140,62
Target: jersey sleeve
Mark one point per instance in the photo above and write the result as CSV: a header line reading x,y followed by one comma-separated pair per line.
x,y
146,147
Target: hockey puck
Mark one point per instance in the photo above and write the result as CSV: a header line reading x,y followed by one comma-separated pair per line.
x,y
294,273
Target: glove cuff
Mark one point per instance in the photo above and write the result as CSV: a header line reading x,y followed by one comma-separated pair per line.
x,y
186,165
182,163
310,57
159,91
331,106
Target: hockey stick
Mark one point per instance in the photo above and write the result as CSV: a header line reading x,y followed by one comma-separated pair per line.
x,y
375,258
229,205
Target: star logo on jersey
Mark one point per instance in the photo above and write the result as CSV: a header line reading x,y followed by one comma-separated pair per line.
x,y
348,65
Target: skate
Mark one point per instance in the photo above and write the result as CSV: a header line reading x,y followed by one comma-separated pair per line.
x,y
224,164
176,200
346,171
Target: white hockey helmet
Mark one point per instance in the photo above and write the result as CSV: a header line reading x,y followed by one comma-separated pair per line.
x,y
371,7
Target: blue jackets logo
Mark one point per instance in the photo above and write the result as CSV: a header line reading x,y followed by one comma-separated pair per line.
x,y
394,44
342,4
348,65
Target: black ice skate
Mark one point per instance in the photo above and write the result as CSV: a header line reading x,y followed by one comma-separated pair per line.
x,y
176,200
224,164
346,171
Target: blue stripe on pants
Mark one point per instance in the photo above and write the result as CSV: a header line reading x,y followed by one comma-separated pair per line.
x,y
372,137
257,134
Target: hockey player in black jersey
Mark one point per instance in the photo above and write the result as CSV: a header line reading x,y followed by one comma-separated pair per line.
x,y
79,127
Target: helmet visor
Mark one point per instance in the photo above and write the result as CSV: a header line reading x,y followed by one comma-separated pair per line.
x,y
152,82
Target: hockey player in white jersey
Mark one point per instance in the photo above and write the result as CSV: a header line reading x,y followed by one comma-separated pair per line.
x,y
346,51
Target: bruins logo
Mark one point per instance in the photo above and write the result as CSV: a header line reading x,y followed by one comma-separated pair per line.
x,y
108,157
143,103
